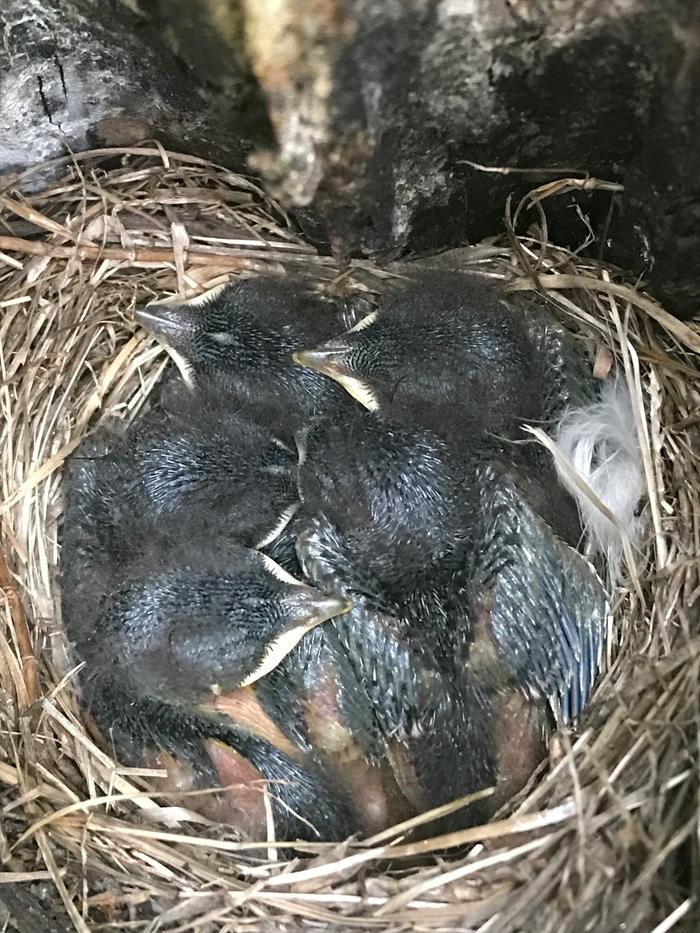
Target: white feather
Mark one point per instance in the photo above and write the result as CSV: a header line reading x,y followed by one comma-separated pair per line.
x,y
600,442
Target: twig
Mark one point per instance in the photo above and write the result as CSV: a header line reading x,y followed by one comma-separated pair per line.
x,y
681,331
137,254
21,630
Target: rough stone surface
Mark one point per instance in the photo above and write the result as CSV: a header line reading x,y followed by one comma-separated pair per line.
x,y
32,908
87,72
382,107
657,229
375,121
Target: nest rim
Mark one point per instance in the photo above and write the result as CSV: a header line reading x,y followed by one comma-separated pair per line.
x,y
121,223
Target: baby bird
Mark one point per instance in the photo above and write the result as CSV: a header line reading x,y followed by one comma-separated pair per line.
x,y
333,720
472,614
451,345
240,340
189,622
433,743
371,532
563,358
169,488
181,632
192,461
336,717
403,499
459,620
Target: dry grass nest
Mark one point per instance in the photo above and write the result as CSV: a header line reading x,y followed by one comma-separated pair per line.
x,y
606,835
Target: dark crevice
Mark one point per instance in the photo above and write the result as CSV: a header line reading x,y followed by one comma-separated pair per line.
x,y
44,101
61,74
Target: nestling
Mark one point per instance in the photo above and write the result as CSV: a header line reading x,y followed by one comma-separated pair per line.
x,y
239,340
181,633
451,346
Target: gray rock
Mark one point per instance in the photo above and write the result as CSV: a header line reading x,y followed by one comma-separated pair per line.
x,y
387,118
87,73
383,109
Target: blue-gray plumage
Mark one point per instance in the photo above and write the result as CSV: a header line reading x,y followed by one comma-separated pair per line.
x,y
171,638
186,621
194,460
152,523
240,751
337,714
466,592
473,621
432,725
448,345
543,602
333,718
404,500
239,341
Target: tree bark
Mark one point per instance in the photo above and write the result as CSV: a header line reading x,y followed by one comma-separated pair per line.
x,y
384,110
81,73
396,127
32,908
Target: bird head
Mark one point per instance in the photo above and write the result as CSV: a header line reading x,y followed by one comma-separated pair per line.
x,y
362,365
443,346
399,360
208,623
237,331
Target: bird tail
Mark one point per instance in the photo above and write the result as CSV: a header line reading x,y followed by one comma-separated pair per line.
x,y
600,441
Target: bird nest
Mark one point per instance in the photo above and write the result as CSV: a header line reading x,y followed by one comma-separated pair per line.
x,y
604,837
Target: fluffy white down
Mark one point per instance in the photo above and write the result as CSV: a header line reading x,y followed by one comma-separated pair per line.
x,y
600,441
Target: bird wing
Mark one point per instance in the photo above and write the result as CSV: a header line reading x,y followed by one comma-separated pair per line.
x,y
86,538
562,356
398,670
545,603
